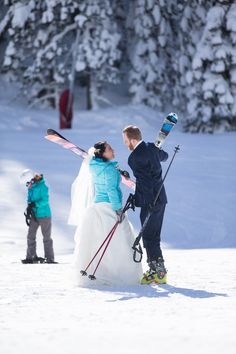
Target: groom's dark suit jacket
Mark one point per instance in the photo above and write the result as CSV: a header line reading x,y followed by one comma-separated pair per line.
x,y
145,164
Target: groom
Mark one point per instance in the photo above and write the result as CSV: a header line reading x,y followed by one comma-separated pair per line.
x,y
144,161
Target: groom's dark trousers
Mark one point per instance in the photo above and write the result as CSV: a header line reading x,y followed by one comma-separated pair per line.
x,y
145,163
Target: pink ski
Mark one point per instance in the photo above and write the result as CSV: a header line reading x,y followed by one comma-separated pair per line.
x,y
57,138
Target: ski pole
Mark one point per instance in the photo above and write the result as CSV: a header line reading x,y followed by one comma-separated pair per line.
x,y
129,204
84,272
92,276
136,246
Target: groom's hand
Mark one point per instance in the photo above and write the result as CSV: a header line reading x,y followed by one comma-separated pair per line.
x,y
120,215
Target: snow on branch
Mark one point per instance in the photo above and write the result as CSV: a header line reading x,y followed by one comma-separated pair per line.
x,y
54,40
4,22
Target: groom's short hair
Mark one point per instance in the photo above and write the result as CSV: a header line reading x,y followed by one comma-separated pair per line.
x,y
133,132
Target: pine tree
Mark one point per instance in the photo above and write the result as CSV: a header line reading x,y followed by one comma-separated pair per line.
x,y
191,23
43,41
179,54
153,26
146,28
98,52
40,37
211,98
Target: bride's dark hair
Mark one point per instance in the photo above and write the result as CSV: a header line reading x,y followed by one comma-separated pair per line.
x,y
100,148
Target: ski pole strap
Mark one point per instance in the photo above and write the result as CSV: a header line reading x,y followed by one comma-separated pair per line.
x,y
137,250
136,246
128,205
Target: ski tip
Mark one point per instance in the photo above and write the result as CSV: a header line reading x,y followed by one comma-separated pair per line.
x,y
172,117
50,131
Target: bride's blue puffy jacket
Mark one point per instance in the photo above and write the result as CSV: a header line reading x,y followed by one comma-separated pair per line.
x,y
106,179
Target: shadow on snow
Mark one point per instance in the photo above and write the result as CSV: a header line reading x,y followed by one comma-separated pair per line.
x,y
156,291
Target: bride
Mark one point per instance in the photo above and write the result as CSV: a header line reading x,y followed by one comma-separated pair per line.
x,y
96,207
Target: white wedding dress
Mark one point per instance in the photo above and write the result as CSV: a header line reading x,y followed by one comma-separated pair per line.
x,y
94,221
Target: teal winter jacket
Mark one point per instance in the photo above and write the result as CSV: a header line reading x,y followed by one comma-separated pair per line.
x,y
38,193
106,179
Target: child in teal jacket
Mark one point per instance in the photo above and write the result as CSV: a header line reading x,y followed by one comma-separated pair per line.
x,y
38,194
38,214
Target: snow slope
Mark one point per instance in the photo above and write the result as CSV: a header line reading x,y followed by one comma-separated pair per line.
x,y
42,309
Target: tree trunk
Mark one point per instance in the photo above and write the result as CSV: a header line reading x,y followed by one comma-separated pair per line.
x,y
88,92
92,92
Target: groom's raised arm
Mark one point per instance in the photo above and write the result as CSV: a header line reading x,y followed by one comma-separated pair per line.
x,y
161,154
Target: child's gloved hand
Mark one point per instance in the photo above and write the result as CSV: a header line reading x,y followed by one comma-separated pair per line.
x,y
31,205
29,213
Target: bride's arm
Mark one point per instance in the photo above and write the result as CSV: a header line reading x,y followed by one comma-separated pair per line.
x,y
112,177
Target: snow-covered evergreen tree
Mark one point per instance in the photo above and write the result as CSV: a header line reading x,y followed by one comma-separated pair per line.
x,y
191,24
43,41
153,28
98,51
181,54
147,36
41,35
211,91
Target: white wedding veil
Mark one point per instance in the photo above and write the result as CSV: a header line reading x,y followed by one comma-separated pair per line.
x,y
82,191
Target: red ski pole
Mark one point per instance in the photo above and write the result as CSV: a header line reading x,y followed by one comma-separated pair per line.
x,y
84,272
129,204
92,276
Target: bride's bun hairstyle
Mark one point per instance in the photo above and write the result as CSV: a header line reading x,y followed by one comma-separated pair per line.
x,y
100,148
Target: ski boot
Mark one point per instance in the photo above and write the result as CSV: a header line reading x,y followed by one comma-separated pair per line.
x,y
156,274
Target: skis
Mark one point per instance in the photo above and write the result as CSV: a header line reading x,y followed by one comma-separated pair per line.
x,y
57,138
168,124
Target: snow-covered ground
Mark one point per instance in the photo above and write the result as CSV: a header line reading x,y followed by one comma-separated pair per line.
x,y
42,309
